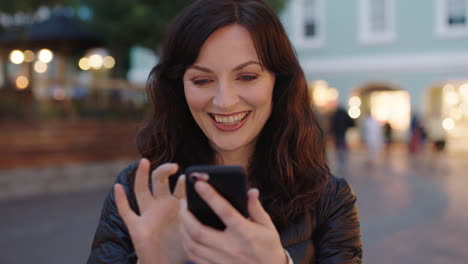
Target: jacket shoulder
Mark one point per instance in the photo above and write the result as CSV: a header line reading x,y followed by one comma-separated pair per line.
x,y
337,235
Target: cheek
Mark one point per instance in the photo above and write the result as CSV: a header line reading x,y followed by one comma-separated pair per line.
x,y
261,98
195,99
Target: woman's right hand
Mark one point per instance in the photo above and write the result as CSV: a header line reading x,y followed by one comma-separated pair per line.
x,y
155,232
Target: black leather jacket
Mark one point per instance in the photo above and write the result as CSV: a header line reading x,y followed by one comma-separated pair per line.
x,y
329,233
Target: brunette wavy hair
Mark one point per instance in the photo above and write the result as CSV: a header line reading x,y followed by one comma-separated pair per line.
x,y
288,164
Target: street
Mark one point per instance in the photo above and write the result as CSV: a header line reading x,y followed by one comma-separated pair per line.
x,y
412,210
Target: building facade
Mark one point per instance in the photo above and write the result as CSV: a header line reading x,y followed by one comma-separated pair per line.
x,y
393,59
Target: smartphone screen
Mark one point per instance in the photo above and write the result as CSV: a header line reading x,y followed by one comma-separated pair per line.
x,y
228,181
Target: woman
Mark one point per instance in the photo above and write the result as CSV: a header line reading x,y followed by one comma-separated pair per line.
x,y
229,90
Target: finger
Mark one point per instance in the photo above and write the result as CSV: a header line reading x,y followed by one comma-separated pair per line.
x,y
141,188
179,190
198,232
256,211
160,179
127,214
195,251
221,207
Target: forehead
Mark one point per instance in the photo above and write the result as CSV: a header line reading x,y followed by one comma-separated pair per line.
x,y
230,44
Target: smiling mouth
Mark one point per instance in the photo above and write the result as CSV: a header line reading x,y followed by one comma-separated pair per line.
x,y
231,119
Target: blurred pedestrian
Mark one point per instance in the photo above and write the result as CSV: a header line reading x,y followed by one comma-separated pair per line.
x,y
229,90
373,138
339,124
388,136
437,137
417,135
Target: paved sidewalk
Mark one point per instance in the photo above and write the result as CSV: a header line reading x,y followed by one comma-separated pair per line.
x,y
412,209
35,181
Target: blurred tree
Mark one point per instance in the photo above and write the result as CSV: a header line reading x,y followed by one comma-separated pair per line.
x,y
125,23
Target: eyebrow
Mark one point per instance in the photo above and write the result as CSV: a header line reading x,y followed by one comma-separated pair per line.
x,y
238,67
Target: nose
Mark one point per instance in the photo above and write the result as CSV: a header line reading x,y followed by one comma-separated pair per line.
x,y
226,95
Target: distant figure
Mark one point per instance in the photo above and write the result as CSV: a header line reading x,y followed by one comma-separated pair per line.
x,y
437,137
373,138
340,122
388,136
417,135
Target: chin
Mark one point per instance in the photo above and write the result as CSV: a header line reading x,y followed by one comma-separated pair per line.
x,y
230,145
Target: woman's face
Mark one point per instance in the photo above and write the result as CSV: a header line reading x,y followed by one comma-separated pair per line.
x,y
227,90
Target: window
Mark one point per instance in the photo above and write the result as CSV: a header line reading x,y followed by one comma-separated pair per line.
x,y
310,18
308,23
376,21
451,18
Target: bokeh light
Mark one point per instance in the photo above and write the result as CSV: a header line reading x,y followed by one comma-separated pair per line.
x,y
22,82
109,62
355,101
464,90
354,112
451,98
448,124
464,108
84,64
45,55
29,56
17,56
95,61
40,67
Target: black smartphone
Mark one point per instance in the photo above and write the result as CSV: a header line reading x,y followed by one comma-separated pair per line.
x,y
229,181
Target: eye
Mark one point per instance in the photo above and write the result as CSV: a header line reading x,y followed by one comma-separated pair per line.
x,y
201,82
247,77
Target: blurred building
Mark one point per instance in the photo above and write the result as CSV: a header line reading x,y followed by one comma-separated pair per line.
x,y
59,64
390,58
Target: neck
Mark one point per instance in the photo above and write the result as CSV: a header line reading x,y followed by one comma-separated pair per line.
x,y
238,157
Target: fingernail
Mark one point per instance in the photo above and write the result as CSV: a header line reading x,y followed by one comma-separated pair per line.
x,y
200,186
181,178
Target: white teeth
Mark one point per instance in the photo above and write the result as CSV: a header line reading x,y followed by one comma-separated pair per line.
x,y
230,120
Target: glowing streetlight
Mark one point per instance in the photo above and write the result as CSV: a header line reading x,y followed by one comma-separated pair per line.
x,y
22,82
45,55
17,56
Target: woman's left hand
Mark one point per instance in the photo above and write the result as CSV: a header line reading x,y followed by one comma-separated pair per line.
x,y
253,240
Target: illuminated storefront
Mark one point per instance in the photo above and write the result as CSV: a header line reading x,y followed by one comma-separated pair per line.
x,y
385,103
448,102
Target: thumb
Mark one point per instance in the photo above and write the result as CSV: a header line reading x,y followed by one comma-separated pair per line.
x,y
256,211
